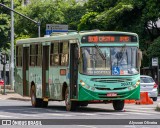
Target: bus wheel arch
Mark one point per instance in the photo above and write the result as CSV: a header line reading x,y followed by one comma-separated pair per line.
x,y
64,90
70,105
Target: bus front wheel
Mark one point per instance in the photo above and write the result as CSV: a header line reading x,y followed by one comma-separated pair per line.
x,y
70,105
118,104
36,102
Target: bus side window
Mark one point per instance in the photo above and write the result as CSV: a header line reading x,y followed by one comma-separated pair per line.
x,y
64,54
39,55
54,57
19,56
32,55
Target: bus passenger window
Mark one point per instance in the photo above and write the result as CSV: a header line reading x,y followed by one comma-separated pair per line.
x,y
39,55
19,56
64,54
54,58
33,55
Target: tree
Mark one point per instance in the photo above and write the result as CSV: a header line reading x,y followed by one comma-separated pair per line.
x,y
4,25
47,12
73,14
153,50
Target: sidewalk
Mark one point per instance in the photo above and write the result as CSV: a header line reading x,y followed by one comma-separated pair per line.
x,y
11,95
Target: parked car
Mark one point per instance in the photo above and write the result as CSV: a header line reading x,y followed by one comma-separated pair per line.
x,y
1,82
147,84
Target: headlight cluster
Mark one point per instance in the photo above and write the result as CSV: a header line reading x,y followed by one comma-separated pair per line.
x,y
87,86
134,86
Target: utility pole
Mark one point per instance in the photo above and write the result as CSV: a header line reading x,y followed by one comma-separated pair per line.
x,y
12,48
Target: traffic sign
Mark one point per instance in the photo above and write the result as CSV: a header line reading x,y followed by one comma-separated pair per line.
x,y
155,61
56,28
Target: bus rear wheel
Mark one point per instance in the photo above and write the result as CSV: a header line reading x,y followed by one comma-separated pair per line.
x,y
70,105
36,102
118,104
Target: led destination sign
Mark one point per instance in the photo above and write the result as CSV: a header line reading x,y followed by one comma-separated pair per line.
x,y
108,38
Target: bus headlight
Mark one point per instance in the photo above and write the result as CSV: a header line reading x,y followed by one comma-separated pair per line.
x,y
82,83
137,84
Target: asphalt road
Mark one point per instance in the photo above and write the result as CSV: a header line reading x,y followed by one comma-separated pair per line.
x,y
92,116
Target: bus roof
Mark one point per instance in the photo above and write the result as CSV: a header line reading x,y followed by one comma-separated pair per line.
x,y
69,36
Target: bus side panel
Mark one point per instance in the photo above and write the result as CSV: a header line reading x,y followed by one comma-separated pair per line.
x,y
56,82
35,75
18,81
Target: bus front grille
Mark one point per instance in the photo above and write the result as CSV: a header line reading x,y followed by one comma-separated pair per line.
x,y
110,88
110,80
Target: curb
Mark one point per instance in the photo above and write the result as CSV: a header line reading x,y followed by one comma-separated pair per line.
x,y
21,99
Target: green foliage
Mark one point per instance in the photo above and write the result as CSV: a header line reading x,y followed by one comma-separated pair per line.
x,y
73,15
153,50
87,22
47,12
4,25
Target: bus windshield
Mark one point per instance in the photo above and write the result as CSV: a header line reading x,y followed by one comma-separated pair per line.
x,y
108,60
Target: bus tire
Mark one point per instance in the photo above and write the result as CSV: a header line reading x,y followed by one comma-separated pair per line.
x,y
84,104
70,105
36,102
44,104
118,104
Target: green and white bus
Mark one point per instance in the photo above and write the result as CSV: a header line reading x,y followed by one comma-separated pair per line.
x,y
79,68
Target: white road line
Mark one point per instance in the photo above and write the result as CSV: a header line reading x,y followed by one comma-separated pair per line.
x,y
7,116
140,111
105,113
55,114
86,126
130,126
87,114
28,115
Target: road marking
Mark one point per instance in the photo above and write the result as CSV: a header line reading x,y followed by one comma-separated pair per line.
x,y
146,112
55,114
105,113
29,115
130,126
138,113
87,114
7,116
87,126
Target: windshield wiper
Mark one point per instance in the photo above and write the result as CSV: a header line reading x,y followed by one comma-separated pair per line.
x,y
100,52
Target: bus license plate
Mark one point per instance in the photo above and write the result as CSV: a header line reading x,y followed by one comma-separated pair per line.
x,y
112,94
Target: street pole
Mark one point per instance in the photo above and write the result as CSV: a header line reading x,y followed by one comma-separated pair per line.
x,y
12,48
4,74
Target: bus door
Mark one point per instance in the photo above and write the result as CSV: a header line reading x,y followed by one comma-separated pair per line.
x,y
25,71
73,70
45,72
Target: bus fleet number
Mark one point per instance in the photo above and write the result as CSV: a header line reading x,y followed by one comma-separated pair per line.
x,y
126,83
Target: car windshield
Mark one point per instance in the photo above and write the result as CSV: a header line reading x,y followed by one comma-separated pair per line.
x,y
108,60
146,80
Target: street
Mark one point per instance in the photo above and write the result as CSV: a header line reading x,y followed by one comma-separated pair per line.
x,y
16,109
